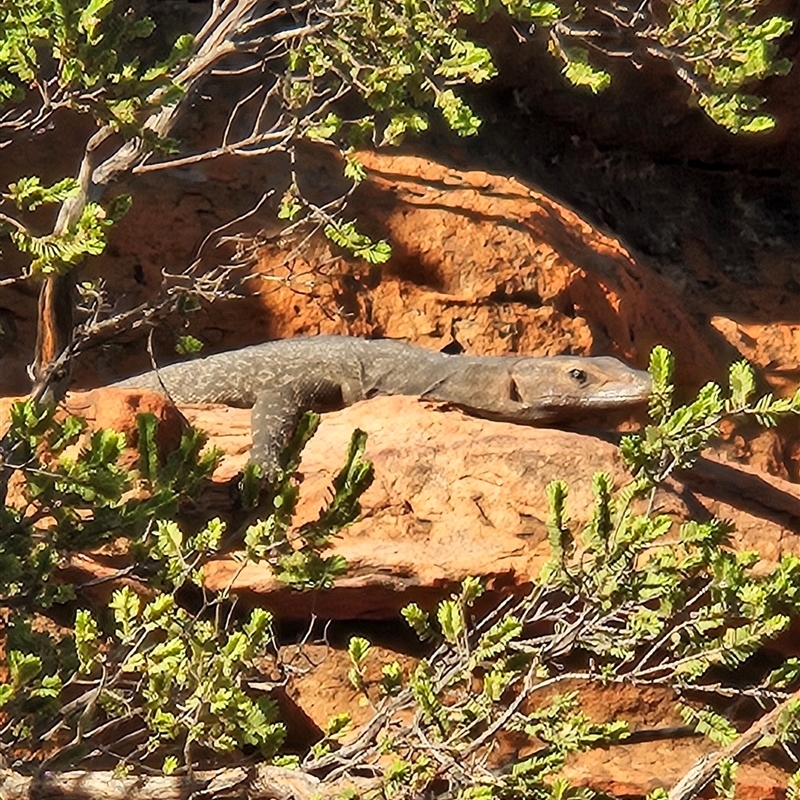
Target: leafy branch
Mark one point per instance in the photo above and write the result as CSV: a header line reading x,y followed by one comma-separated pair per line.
x,y
154,682
680,434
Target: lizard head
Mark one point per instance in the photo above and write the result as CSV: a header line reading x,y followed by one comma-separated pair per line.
x,y
550,389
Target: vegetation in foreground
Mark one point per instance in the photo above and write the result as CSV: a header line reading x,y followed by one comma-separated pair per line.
x,y
164,678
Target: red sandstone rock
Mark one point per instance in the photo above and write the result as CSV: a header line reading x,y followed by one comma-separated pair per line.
x,y
116,409
319,688
773,348
634,770
478,258
453,496
457,496
485,260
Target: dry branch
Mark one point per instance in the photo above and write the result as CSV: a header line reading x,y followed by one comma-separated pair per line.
x,y
260,782
705,770
234,27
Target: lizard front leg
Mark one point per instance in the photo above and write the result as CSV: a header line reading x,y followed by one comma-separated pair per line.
x,y
273,420
277,412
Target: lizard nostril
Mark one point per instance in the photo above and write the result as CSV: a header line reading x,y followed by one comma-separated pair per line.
x,y
578,374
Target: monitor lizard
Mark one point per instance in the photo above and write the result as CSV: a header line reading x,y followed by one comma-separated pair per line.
x,y
283,379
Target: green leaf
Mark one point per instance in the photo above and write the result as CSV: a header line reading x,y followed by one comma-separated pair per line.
x,y
169,765
290,206
347,237
6,693
159,611
92,14
742,383
87,639
494,643
49,687
662,367
471,589
29,193
125,604
457,113
580,72
467,60
209,539
451,620
358,649
354,169
391,678
712,725
188,345
22,668
785,675
147,426
402,122
418,620
182,48
324,130
169,538
725,782
116,209
544,11
736,112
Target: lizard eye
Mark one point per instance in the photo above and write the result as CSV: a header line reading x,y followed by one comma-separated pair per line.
x,y
578,374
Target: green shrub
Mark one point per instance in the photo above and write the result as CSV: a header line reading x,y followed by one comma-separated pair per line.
x,y
156,679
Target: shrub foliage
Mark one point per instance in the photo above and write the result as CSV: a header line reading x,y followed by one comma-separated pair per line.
x,y
394,63
172,676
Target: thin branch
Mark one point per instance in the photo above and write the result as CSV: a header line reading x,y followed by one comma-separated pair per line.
x,y
705,769
261,782
13,222
239,148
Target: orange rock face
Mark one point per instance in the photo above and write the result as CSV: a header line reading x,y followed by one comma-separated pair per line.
x,y
483,260
479,260
455,496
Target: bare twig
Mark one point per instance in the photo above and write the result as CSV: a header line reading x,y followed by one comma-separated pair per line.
x,y
705,768
260,782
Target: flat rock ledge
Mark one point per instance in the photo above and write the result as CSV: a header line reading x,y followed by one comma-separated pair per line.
x,y
453,496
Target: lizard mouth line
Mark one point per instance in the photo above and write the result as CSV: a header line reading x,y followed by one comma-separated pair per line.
x,y
598,401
